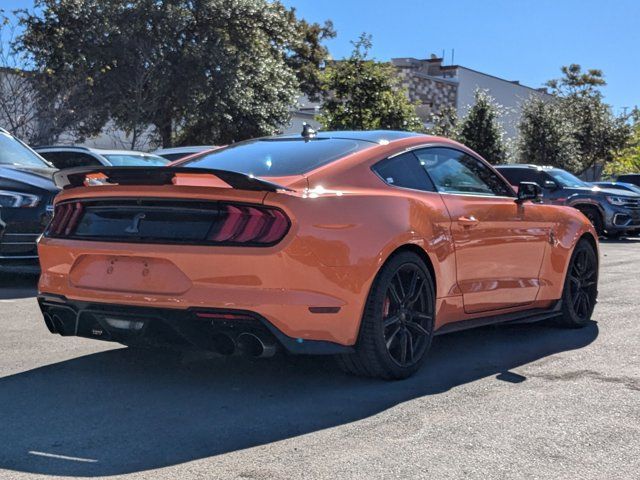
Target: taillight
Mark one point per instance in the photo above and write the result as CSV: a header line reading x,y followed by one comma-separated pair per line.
x,y
169,221
251,224
65,219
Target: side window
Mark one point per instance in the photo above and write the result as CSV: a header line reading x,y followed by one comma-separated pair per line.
x,y
453,171
404,170
516,175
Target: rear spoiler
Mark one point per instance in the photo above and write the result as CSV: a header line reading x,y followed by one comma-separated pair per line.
x,y
77,177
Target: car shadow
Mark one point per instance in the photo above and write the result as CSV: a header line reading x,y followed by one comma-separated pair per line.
x,y
15,286
123,411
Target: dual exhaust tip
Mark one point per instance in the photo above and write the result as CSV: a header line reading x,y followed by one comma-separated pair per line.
x,y
55,324
248,344
254,345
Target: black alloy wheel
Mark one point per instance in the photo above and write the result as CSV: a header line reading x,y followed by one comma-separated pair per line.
x,y
407,315
398,321
581,286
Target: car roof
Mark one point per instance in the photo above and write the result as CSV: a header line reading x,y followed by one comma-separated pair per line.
x,y
99,151
187,149
527,165
373,136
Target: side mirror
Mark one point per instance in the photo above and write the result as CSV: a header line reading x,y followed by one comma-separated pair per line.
x,y
550,184
528,191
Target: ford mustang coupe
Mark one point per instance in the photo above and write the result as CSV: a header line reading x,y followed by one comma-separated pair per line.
x,y
363,245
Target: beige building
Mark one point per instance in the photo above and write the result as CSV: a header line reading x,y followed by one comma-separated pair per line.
x,y
434,85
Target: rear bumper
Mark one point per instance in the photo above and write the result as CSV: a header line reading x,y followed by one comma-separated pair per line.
x,y
193,327
285,285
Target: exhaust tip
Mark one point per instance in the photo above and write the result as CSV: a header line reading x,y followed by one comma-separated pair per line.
x,y
57,323
223,344
250,345
48,321
256,346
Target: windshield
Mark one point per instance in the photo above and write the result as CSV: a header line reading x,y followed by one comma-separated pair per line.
x,y
567,179
278,157
134,160
13,152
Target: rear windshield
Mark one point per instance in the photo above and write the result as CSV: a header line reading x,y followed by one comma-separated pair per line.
x,y
278,157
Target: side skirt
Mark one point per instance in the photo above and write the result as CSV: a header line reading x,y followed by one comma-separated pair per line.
x,y
527,316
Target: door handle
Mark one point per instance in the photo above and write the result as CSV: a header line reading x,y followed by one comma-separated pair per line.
x,y
468,222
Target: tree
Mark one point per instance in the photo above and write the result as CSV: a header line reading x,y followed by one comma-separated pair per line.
x,y
28,114
599,134
628,160
308,54
481,131
445,123
576,82
545,137
18,113
212,71
362,94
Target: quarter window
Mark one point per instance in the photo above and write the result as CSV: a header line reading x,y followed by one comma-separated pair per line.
x,y
453,171
404,171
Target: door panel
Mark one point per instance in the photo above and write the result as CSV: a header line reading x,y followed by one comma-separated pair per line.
x,y
499,248
499,243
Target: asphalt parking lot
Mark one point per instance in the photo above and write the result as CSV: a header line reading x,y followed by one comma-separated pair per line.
x,y
520,401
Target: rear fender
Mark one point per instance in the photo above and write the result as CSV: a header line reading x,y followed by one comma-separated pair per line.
x,y
360,230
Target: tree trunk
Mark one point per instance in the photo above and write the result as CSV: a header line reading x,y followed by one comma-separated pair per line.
x,y
166,132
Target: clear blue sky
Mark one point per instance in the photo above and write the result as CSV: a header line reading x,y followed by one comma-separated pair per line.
x,y
522,40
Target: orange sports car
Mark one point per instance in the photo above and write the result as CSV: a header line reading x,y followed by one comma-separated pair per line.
x,y
363,245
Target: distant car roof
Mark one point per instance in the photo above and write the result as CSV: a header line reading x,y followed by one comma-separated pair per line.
x,y
527,165
187,149
100,151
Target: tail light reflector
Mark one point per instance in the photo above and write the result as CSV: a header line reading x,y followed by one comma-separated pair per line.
x,y
251,224
65,219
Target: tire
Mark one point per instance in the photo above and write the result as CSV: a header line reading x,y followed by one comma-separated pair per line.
x,y
613,235
402,296
580,290
594,216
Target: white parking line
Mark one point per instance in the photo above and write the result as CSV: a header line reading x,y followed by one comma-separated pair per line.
x,y
62,457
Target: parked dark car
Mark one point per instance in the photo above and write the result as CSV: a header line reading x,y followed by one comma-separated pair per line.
x,y
618,185
633,178
73,156
613,212
26,199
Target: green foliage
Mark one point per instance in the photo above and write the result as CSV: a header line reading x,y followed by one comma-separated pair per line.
x,y
628,160
362,94
308,54
445,123
598,133
480,130
545,137
212,71
576,82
